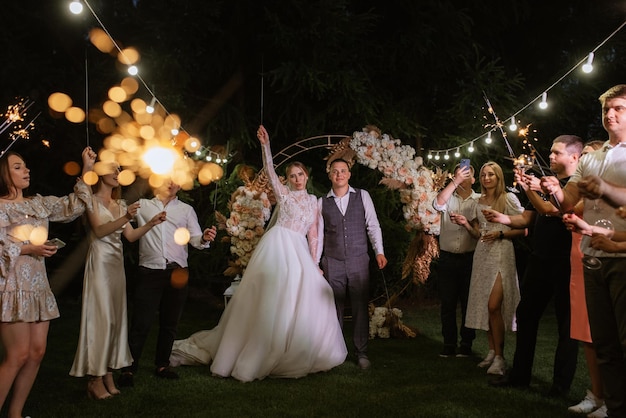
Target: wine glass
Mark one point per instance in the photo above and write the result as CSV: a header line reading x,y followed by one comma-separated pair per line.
x,y
523,162
590,262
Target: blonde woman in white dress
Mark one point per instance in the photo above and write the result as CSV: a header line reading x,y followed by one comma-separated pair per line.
x,y
494,289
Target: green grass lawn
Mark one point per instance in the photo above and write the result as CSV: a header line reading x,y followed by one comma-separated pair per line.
x,y
407,379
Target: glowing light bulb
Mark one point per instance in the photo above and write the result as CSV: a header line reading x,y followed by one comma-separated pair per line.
x,y
588,66
471,147
488,140
133,70
437,157
76,7
457,154
150,107
430,155
544,101
513,125
446,156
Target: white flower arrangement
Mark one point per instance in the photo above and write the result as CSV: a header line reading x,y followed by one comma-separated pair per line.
x,y
250,209
398,162
386,323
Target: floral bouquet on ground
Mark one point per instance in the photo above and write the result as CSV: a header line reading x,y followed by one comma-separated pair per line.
x,y
385,323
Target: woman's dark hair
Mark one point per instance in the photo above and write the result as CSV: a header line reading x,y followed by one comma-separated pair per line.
x,y
6,183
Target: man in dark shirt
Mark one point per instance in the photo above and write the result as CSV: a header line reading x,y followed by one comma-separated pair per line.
x,y
547,274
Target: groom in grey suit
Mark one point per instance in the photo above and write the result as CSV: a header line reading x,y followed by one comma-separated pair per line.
x,y
349,218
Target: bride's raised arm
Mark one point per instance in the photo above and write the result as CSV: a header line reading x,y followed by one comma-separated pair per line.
x,y
268,164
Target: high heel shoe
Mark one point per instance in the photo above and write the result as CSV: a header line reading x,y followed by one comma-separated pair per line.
x,y
109,384
96,389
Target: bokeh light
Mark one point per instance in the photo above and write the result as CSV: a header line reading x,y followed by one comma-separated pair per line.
x,y
90,178
111,108
128,56
126,177
38,235
160,159
179,278
101,40
71,168
130,85
182,236
192,144
75,115
59,102
118,94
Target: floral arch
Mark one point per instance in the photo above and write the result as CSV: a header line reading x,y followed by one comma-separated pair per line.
x,y
250,204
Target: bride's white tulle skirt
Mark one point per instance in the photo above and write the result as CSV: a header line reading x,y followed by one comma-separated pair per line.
x,y
280,322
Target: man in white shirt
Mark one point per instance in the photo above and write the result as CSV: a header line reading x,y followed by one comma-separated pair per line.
x,y
348,218
156,289
457,241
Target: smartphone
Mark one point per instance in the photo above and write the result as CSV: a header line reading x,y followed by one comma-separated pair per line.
x,y
56,242
465,163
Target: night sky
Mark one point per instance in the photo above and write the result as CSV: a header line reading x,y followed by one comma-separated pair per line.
x,y
194,51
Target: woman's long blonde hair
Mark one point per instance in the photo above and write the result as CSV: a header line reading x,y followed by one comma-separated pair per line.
x,y
499,203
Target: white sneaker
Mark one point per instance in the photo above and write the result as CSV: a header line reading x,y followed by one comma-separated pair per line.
x,y
498,366
488,359
599,413
587,405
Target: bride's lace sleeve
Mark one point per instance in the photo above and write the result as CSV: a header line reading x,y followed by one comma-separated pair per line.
x,y
312,235
278,188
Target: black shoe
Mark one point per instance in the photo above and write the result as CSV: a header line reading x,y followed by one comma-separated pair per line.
x,y
506,382
166,373
557,392
125,380
447,351
465,351
363,362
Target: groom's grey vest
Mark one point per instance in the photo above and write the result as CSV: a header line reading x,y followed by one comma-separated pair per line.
x,y
345,236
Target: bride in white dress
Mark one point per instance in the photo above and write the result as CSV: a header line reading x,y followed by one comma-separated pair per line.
x,y
281,321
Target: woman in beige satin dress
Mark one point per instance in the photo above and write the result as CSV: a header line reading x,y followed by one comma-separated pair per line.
x,y
103,341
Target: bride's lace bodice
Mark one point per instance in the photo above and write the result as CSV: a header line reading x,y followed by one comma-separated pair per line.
x,y
297,210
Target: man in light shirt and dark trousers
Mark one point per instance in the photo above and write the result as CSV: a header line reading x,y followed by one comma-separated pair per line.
x,y
457,240
161,261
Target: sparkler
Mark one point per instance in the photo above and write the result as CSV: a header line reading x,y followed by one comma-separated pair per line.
x,y
14,115
498,125
523,161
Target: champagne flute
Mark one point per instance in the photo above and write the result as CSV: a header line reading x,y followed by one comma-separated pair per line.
x,y
484,229
523,162
590,262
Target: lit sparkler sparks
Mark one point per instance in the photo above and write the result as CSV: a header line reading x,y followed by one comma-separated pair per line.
x,y
15,113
